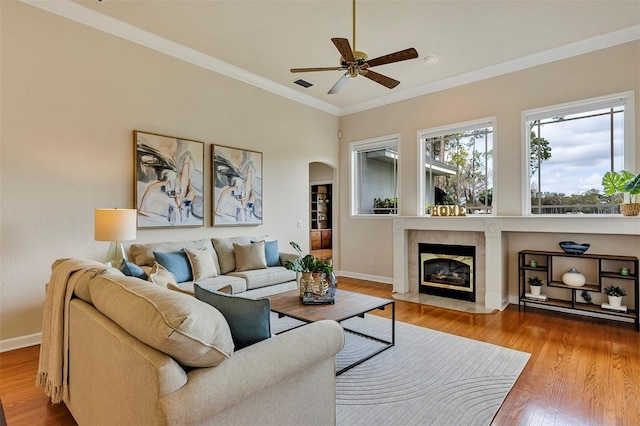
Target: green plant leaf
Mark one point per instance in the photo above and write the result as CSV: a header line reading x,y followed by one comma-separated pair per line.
x,y
612,182
633,185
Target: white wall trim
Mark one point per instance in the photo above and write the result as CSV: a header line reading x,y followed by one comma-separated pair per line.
x,y
20,342
75,12
366,277
99,21
568,51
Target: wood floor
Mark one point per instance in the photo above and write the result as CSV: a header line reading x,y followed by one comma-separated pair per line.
x,y
582,371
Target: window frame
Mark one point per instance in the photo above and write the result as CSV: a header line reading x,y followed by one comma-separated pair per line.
x,y
354,149
584,105
465,126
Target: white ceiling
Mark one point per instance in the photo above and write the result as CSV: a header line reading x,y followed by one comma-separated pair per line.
x,y
258,41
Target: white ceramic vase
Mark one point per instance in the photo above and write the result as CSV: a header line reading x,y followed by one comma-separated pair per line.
x,y
535,289
573,278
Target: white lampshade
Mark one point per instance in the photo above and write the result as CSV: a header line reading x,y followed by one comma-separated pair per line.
x,y
115,224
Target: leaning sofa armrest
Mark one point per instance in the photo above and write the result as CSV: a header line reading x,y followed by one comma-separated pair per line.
x,y
253,370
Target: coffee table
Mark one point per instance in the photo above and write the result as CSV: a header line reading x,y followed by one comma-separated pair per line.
x,y
347,305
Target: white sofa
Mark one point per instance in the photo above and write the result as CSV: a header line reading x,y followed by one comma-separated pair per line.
x,y
129,341
251,283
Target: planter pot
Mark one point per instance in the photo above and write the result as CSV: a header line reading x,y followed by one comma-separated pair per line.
x,y
535,289
630,209
573,278
615,300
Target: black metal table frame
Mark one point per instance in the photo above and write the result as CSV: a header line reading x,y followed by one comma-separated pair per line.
x,y
388,344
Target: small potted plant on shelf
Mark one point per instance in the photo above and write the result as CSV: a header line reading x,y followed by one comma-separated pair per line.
x,y
614,294
623,182
535,283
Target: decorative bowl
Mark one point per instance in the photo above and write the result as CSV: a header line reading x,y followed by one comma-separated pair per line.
x,y
571,247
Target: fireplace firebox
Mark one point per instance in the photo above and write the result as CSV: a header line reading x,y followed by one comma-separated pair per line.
x,y
447,270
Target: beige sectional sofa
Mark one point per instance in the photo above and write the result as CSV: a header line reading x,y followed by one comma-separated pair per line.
x,y
252,282
141,354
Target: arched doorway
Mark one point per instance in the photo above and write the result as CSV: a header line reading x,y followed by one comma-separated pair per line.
x,y
321,211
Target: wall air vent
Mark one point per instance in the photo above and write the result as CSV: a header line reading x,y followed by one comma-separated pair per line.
x,y
303,83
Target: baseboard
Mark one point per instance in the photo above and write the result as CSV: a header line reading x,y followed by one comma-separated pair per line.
x,y
20,342
384,280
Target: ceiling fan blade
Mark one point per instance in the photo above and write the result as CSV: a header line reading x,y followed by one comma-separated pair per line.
x,y
317,69
343,46
339,84
402,55
387,82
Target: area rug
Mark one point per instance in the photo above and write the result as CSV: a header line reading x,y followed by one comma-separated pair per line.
x,y
427,378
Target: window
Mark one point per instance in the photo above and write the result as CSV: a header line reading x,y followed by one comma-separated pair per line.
x,y
456,166
569,148
374,176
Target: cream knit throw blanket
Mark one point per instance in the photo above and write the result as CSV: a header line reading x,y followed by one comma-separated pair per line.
x,y
54,350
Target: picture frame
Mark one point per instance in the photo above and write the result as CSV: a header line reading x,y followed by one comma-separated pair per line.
x,y
168,181
236,186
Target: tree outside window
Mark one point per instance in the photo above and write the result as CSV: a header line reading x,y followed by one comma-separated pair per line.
x,y
458,167
570,148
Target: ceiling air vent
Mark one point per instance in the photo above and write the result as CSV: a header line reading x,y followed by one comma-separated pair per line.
x,y
303,83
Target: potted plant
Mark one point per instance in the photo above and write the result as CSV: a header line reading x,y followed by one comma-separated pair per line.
x,y
614,294
535,283
309,266
624,182
385,206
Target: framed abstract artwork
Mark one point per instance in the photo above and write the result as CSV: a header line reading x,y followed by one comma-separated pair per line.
x,y
169,181
237,186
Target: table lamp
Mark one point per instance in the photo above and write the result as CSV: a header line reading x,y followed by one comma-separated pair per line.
x,y
115,225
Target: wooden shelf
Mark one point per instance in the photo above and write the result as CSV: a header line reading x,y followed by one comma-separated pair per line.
x,y
598,280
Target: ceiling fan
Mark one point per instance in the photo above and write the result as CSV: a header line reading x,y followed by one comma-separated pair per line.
x,y
357,63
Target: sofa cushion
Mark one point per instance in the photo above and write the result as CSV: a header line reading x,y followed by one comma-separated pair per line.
x,y
192,332
248,319
226,255
142,254
202,264
177,263
238,284
272,252
161,276
132,270
265,277
250,256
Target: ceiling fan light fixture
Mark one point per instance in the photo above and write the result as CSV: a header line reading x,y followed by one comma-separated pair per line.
x,y
429,57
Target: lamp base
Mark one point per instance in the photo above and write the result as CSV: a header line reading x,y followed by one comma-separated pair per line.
x,y
115,255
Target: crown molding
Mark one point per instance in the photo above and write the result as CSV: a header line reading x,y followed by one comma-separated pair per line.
x,y
78,13
563,52
99,21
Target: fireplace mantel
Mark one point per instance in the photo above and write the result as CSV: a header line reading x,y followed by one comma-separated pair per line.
x,y
495,230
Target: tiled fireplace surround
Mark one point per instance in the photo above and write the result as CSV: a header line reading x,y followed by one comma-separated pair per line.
x,y
490,237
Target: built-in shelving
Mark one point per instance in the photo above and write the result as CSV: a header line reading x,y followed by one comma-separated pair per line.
x,y
603,270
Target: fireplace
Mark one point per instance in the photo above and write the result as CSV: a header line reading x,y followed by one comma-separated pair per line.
x,y
447,270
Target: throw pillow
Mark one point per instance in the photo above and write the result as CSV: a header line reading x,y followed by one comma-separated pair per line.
x,y
132,270
248,319
202,264
272,252
177,263
159,275
194,334
250,256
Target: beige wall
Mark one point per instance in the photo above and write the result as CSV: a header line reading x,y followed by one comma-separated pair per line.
x,y
71,97
599,73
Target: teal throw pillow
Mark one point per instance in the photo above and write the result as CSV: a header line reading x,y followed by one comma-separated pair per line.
x,y
177,263
132,270
248,318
